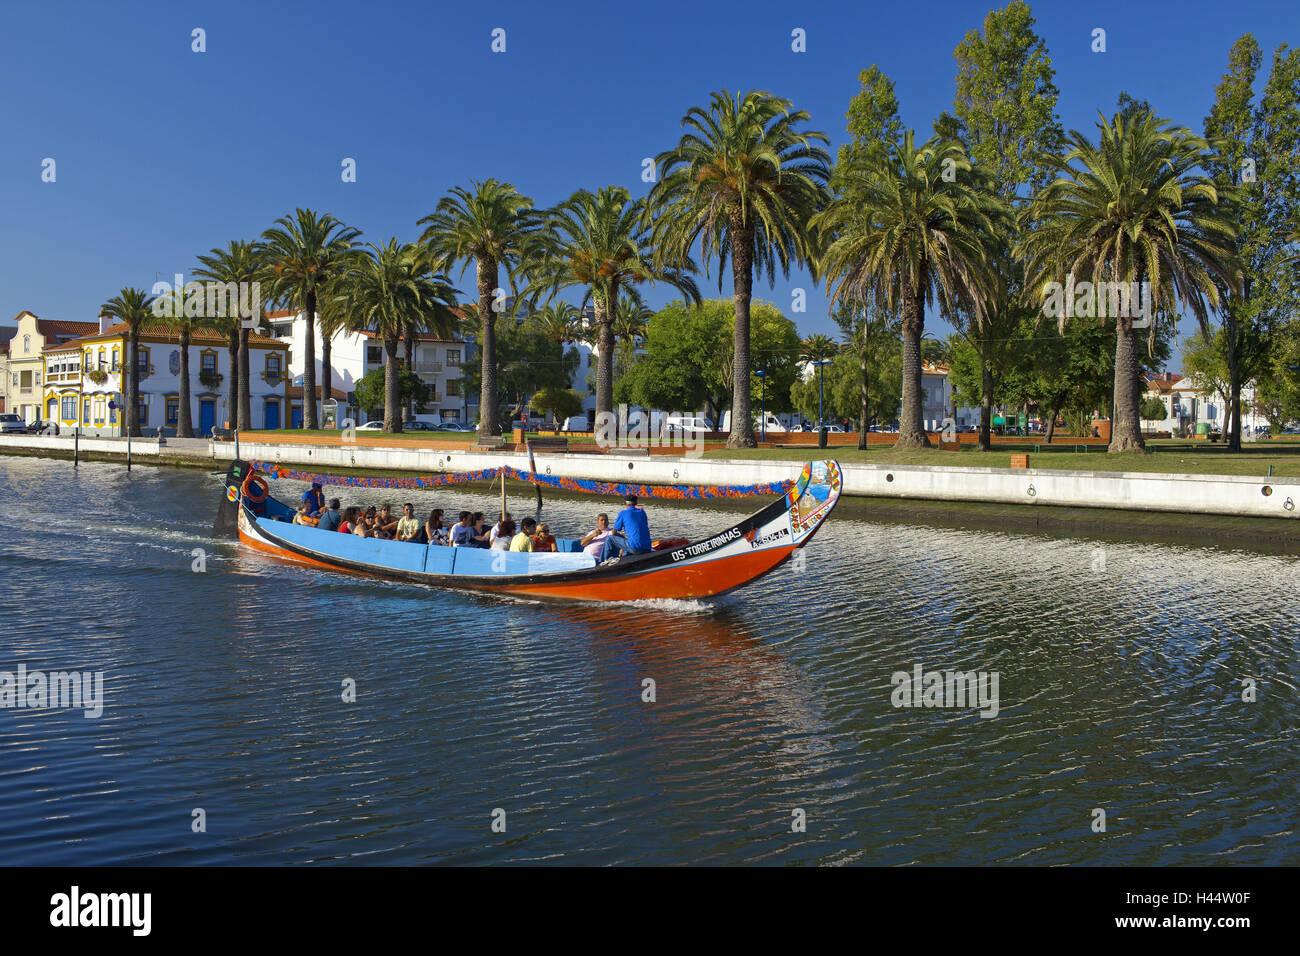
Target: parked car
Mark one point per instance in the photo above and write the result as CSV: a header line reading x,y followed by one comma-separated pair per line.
x,y
374,426
576,423
12,424
417,427
38,427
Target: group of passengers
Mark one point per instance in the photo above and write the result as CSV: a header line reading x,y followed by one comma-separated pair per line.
x,y
629,534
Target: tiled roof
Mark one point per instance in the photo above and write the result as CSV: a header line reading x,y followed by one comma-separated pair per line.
x,y
161,330
60,331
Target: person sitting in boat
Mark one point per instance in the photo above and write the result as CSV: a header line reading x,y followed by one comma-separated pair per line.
x,y
499,529
350,518
331,518
594,540
631,532
523,541
482,536
408,527
314,499
434,532
386,522
371,523
544,540
505,534
462,532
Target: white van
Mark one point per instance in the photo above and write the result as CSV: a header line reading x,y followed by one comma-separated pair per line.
x,y
576,423
686,425
773,423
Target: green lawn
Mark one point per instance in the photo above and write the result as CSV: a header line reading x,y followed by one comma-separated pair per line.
x,y
1165,458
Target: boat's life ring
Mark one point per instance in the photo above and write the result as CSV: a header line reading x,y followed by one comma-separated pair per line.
x,y
232,493
255,490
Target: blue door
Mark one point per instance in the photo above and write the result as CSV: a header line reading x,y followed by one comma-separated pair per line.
x,y
295,420
272,416
207,415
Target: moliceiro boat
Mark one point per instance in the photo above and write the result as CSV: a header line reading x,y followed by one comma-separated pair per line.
x,y
711,566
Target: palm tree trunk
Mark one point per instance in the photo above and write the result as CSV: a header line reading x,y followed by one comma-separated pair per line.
x,y
408,343
604,360
326,369
133,383
911,429
742,278
487,400
864,411
392,417
184,420
232,387
309,363
245,385
1125,424
986,406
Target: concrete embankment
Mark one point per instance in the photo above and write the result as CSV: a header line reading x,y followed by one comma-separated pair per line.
x,y
1241,496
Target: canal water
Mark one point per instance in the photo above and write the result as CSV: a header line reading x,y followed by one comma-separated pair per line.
x,y
1121,735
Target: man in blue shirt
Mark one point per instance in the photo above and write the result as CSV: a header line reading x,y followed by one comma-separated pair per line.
x,y
314,499
631,532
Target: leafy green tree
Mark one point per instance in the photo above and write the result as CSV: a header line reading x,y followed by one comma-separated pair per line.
x,y
1154,410
688,363
530,360
904,230
1258,152
744,180
873,121
134,307
1004,114
493,225
373,393
1135,208
1277,394
559,403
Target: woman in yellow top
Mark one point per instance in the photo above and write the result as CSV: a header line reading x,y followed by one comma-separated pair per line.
x,y
523,541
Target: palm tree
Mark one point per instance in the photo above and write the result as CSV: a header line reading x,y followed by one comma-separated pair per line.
x,y
388,290
598,241
744,180
240,263
633,322
172,308
442,322
560,322
494,225
1134,207
908,223
134,307
304,253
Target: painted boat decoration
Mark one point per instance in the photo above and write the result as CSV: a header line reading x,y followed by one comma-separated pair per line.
x,y
706,568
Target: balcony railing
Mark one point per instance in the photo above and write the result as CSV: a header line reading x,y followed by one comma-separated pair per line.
x,y
428,366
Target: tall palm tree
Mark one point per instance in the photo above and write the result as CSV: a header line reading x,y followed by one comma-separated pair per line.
x,y
909,225
560,322
494,225
303,254
388,290
171,307
240,263
744,180
633,321
598,241
1134,207
134,307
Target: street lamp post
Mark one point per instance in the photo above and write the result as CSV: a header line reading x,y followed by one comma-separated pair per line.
x,y
762,404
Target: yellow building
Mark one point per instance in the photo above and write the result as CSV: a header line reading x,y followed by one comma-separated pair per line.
x,y
27,360
84,376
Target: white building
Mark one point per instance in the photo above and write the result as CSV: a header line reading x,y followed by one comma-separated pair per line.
x,y
84,379
1188,407
437,361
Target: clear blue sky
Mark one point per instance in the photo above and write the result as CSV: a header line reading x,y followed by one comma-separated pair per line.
x,y
163,153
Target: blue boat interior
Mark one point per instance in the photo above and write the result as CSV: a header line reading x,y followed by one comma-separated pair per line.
x,y
422,558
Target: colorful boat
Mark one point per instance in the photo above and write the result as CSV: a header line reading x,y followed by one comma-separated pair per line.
x,y
711,566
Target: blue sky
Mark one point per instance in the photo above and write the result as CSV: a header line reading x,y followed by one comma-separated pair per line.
x,y
163,153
